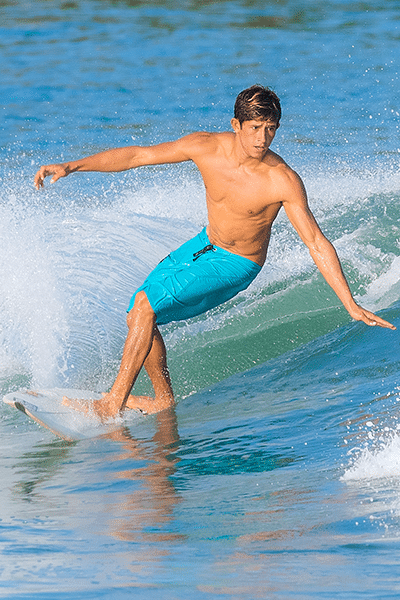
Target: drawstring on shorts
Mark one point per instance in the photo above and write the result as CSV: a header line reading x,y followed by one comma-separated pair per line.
x,y
208,248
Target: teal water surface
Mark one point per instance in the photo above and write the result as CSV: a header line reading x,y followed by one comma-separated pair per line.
x,y
278,473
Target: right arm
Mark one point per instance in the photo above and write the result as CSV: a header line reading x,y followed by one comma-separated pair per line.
x,y
129,157
322,251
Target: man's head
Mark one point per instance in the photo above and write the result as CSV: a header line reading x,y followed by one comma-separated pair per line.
x,y
257,103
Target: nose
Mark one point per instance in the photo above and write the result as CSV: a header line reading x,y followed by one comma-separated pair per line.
x,y
264,135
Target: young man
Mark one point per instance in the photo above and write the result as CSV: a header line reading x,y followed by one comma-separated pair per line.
x,y
246,185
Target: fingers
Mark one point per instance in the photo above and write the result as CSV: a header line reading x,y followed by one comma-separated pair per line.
x,y
383,323
41,175
56,170
373,320
380,322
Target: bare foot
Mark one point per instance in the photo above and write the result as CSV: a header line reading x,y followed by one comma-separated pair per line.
x,y
84,406
105,408
149,405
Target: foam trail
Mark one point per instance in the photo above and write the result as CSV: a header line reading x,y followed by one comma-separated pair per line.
x,y
385,289
71,263
378,463
34,325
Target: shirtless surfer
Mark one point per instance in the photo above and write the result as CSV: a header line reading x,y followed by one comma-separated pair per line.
x,y
246,186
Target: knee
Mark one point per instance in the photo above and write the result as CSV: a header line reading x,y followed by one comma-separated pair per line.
x,y
141,309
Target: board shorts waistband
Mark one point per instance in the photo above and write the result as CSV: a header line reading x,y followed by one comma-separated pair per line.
x,y
194,278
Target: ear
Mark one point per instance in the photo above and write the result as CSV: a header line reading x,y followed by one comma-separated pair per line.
x,y
235,125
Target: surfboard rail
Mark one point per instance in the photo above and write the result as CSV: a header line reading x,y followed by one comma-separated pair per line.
x,y
46,408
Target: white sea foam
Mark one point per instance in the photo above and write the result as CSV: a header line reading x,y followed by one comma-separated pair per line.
x,y
69,265
385,289
376,463
342,186
32,315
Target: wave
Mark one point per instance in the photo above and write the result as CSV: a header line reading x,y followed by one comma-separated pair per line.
x,y
376,463
71,258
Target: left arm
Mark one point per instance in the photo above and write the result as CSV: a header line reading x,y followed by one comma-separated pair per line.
x,y
322,251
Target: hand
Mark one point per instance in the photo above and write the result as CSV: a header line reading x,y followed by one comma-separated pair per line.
x,y
57,171
361,314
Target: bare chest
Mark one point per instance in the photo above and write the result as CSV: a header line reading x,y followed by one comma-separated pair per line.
x,y
239,193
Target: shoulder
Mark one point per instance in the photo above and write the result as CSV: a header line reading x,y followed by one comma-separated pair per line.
x,y
202,142
285,177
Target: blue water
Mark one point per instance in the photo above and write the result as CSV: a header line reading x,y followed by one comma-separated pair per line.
x,y
278,474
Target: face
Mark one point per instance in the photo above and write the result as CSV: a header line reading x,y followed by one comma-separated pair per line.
x,y
255,137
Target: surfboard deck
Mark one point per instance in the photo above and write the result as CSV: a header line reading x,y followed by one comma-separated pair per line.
x,y
45,407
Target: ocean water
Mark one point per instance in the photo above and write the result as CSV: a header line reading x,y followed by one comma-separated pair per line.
x,y
277,475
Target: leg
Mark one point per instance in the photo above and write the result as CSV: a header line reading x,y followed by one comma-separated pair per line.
x,y
156,367
141,323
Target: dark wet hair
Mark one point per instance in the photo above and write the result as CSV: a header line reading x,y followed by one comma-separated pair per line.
x,y
257,102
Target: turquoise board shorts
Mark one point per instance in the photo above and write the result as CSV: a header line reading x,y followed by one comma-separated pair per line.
x,y
195,278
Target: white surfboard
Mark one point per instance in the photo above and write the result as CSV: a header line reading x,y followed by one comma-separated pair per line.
x,y
46,408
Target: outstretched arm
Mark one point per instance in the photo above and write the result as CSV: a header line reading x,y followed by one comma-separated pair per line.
x,y
323,253
122,159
